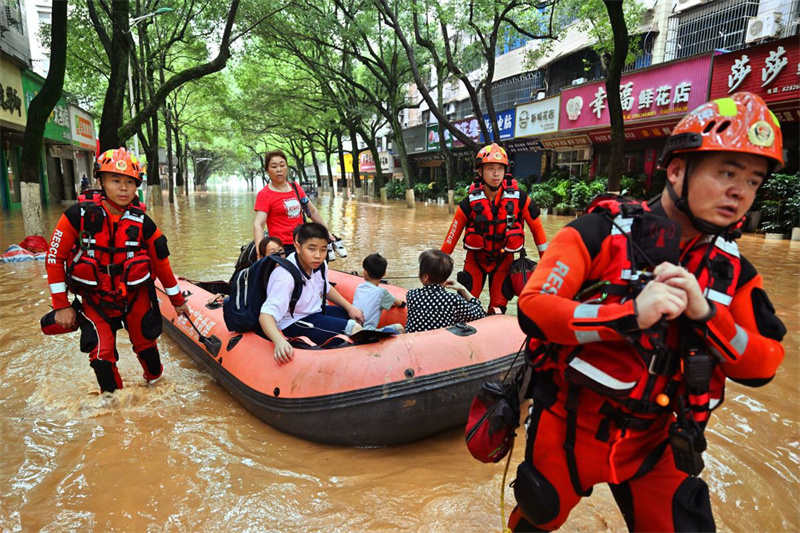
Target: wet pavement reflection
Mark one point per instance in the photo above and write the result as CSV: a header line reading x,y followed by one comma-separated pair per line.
x,y
184,456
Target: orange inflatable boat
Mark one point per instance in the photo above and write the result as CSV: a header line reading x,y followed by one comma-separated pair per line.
x,y
390,391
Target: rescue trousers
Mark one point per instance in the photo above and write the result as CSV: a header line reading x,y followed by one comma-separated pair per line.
x,y
99,336
637,465
478,267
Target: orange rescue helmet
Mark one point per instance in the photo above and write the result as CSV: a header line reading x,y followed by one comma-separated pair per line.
x,y
493,153
119,161
740,123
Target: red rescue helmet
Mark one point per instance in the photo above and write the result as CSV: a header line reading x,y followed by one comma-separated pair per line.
x,y
119,161
740,123
493,153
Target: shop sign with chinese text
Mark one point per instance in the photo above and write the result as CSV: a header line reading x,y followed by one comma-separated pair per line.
x,y
504,127
57,126
470,128
12,108
566,143
770,70
433,138
366,163
537,118
632,134
389,163
672,89
82,128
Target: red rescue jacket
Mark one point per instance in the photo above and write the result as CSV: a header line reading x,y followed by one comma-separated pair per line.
x,y
601,347
104,257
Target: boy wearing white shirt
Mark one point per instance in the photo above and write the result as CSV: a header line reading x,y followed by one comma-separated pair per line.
x,y
308,318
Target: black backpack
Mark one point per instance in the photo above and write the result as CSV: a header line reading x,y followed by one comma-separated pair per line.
x,y
242,308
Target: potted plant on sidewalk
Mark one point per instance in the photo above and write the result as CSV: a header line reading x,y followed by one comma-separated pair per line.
x,y
781,206
543,196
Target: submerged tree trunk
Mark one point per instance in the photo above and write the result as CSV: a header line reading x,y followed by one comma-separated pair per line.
x,y
613,78
450,171
153,172
356,171
379,181
117,48
179,161
39,111
397,134
168,127
342,168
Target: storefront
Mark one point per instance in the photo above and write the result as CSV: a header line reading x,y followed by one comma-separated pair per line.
x,y
84,141
772,71
13,117
653,101
533,121
390,165
366,169
58,170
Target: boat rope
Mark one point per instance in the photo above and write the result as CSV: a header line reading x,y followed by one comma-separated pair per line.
x,y
503,526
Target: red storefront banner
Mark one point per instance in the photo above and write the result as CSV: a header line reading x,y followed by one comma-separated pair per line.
x,y
770,70
634,134
565,143
667,90
470,128
365,162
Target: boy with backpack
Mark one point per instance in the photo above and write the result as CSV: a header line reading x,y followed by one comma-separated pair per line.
x,y
310,316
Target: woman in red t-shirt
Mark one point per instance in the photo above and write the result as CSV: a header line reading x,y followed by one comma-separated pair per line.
x,y
282,205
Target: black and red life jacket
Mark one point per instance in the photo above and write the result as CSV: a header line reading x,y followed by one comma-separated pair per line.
x,y
492,227
109,258
634,373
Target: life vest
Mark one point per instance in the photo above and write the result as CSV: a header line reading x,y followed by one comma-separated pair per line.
x,y
495,228
109,259
635,373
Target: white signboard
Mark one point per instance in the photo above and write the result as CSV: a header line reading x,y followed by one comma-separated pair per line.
x,y
82,128
538,118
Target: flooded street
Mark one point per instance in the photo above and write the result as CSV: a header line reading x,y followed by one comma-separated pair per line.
x,y
185,456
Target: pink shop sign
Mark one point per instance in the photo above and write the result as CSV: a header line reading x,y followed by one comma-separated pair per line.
x,y
669,90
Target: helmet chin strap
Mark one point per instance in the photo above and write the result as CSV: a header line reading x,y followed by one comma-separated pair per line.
x,y
107,199
682,203
493,189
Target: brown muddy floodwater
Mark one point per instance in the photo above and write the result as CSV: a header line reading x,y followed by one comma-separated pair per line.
x,y
185,456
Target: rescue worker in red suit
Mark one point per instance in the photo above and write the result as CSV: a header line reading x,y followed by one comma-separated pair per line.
x,y
107,251
491,216
650,308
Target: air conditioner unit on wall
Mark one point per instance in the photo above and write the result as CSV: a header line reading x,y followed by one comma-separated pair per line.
x,y
451,108
681,5
766,26
12,14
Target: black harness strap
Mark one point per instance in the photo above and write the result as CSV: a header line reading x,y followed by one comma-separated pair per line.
x,y
303,206
569,440
651,460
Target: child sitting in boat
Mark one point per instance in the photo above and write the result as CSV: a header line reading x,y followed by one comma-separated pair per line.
x,y
270,246
308,319
371,298
267,246
432,307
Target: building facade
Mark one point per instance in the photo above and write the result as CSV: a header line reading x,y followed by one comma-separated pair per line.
x,y
555,116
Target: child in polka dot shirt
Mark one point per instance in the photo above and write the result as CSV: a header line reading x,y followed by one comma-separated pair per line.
x,y
432,306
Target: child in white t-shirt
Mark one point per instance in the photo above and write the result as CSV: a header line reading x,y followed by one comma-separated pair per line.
x,y
308,318
371,298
